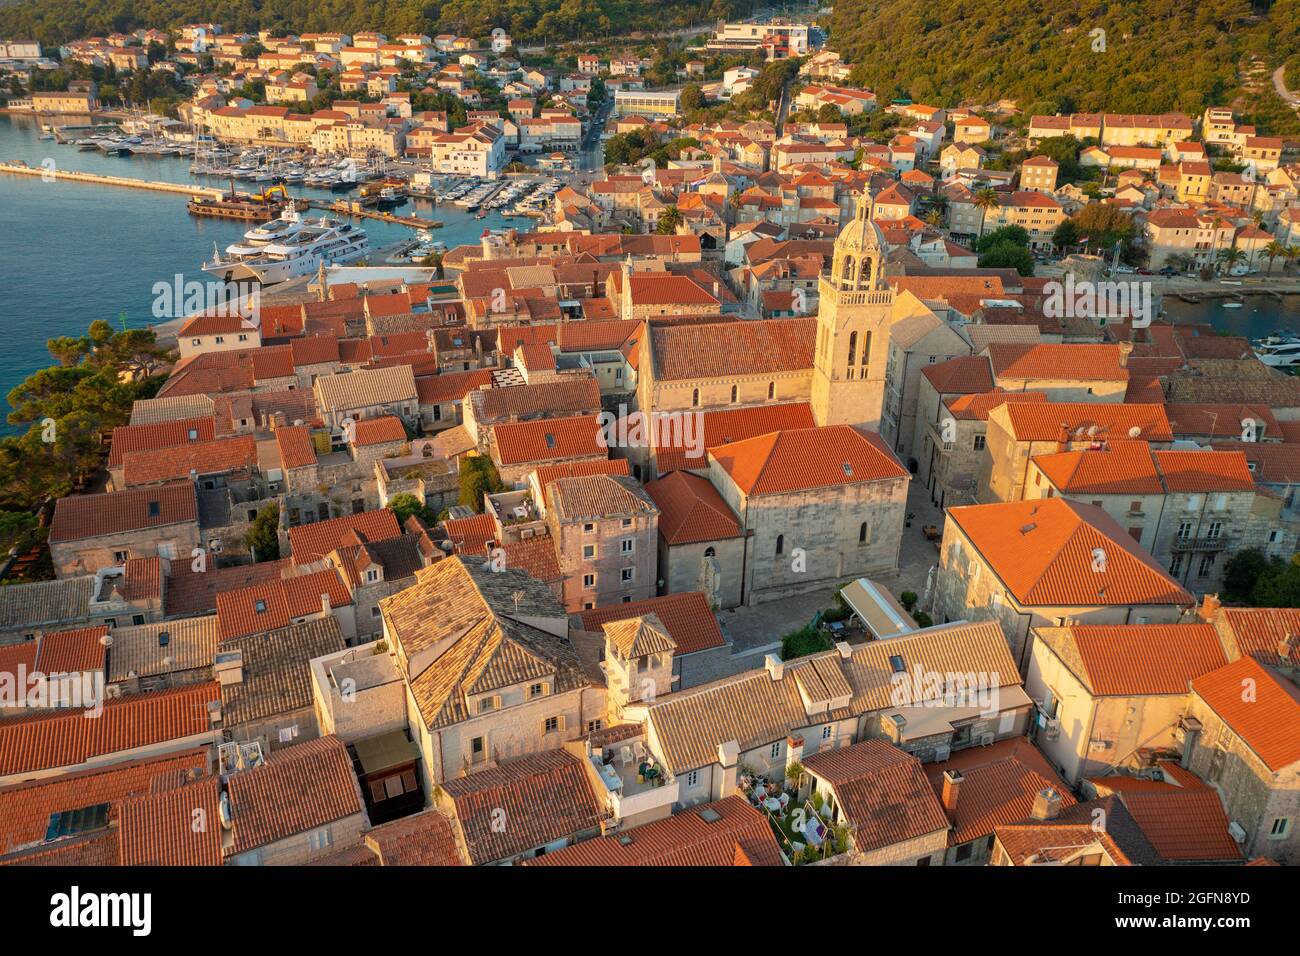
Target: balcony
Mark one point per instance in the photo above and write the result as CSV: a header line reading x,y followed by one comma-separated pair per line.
x,y
633,781
1212,544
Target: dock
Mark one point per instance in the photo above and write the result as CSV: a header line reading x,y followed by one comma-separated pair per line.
x,y
65,175
345,208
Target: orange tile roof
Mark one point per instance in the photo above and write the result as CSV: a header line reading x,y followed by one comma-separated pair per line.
x,y
573,396
976,406
1121,467
1184,825
143,579
378,430
1034,422
69,652
274,604
25,808
1129,660
471,535
999,786
80,517
686,616
961,375
66,738
548,439
311,542
544,797
238,453
297,789
727,349
739,836
1191,471
724,426
423,839
1258,631
882,791
450,386
127,438
664,288
691,510
576,469
1044,553
296,447
1267,721
159,829
802,458
598,496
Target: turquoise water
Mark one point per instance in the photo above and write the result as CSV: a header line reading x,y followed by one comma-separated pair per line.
x,y
71,252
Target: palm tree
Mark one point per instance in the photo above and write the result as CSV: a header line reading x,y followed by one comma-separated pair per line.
x,y
1292,253
934,218
985,200
1229,257
1274,250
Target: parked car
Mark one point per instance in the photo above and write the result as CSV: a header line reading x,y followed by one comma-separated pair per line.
x,y
1145,272
1168,271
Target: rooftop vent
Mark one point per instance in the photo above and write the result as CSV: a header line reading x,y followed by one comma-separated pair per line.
x,y
709,815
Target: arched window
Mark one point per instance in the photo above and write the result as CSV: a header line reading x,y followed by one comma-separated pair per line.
x,y
771,390
866,269
780,544
866,349
695,398
709,552
734,393
853,346
862,533
846,271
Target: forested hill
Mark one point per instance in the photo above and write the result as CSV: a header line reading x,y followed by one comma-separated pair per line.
x,y
57,21
1159,54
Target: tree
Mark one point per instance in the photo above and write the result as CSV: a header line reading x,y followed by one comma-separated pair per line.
x,y
1274,250
404,505
1241,572
1066,235
985,200
692,98
263,537
1016,235
1101,226
1229,258
670,219
1008,255
478,476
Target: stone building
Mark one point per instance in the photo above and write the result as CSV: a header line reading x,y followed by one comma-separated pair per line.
x,y
1053,562
816,506
92,532
606,534
701,547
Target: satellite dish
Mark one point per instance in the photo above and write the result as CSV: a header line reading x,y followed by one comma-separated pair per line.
x,y
1134,432
106,640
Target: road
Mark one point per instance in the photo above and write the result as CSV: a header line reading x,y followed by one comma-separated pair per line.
x,y
685,32
1279,84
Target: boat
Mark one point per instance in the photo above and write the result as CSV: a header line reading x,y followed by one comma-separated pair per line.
x,y
302,252
254,207
1231,305
1280,349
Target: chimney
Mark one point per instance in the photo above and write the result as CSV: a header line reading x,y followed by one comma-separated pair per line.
x,y
326,607
951,790
1210,605
1286,647
1125,350
1047,804
1063,438
775,667
845,649
729,761
794,747
228,667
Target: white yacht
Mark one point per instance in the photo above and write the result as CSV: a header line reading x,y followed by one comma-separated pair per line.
x,y
302,253
1280,350
255,242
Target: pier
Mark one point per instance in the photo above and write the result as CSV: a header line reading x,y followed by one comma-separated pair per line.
x,y
65,175
345,208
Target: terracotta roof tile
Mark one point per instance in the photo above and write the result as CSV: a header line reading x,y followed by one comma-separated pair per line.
x,y
69,652
545,797
378,431
296,447
548,439
1044,552
999,785
1192,471
297,789
1043,422
88,516
423,839
691,510
727,832
1132,660
1121,467
724,426
598,496
311,542
66,738
728,349
963,375
274,604
159,829
1266,721
686,616
882,791
797,459
976,406
128,438
471,535
238,453
1259,631
450,386
1183,825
